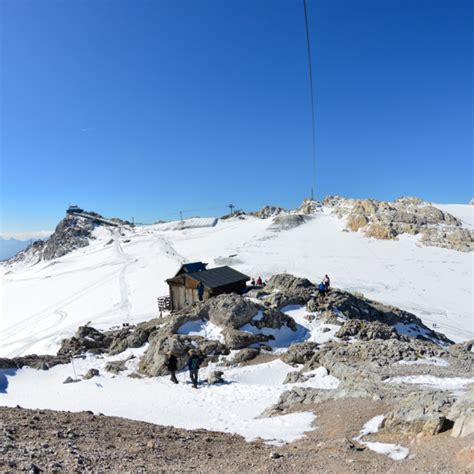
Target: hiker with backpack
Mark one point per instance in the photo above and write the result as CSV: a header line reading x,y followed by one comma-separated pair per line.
x,y
327,281
322,290
171,363
194,362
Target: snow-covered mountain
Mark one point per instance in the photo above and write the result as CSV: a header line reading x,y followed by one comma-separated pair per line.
x,y
10,247
105,274
108,272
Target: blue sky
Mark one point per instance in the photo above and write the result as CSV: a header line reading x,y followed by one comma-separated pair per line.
x,y
143,108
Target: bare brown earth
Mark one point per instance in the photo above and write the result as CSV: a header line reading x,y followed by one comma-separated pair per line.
x,y
85,442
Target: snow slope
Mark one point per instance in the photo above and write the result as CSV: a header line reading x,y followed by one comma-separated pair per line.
x,y
232,407
108,283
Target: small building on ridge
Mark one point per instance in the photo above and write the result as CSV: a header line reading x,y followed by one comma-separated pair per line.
x,y
215,281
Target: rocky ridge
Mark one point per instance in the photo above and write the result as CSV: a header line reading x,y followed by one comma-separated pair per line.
x,y
406,215
73,232
374,346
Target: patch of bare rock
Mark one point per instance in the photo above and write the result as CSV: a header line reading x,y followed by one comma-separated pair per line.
x,y
405,215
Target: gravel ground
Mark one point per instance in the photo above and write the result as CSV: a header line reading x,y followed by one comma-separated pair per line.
x,y
85,442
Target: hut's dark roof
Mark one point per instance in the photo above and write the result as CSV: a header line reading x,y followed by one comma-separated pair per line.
x,y
191,268
213,278
217,277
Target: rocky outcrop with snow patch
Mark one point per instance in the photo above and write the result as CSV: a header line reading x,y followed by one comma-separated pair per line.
x,y
286,222
406,215
73,232
267,212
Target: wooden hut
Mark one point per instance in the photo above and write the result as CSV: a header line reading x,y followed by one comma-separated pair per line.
x,y
184,285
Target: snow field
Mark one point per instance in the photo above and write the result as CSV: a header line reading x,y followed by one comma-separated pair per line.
x,y
231,407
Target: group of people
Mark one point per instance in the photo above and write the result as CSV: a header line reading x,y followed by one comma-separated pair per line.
x,y
259,282
194,363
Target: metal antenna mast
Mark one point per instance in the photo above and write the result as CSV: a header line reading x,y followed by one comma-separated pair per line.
x,y
313,184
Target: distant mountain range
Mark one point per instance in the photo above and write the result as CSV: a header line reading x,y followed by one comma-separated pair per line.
x,y
10,247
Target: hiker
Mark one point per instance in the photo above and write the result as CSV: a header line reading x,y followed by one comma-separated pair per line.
x,y
326,281
252,282
322,290
194,362
200,289
259,281
171,363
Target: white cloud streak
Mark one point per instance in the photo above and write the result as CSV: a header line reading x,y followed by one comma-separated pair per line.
x,y
35,234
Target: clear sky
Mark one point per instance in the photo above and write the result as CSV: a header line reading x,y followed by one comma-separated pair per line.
x,y
142,108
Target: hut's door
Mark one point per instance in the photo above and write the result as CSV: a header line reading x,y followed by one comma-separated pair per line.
x,y
178,293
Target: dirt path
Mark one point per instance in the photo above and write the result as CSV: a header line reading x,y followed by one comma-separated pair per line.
x,y
83,442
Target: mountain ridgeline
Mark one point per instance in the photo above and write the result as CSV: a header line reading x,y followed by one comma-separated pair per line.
x,y
375,219
73,232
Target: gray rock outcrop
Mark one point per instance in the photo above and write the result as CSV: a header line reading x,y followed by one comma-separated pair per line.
x,y
286,222
292,286
39,362
462,413
420,412
215,376
245,355
366,330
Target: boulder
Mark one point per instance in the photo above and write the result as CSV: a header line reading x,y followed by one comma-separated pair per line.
x,y
420,412
91,373
245,355
274,319
279,300
355,221
462,350
235,339
215,376
71,380
378,230
300,353
295,377
231,310
292,286
116,366
462,413
286,222
225,310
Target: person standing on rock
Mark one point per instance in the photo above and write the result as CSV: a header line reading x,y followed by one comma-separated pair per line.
x,y
322,290
326,281
194,362
171,363
200,290
259,281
